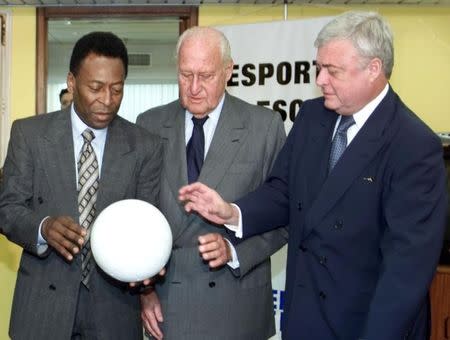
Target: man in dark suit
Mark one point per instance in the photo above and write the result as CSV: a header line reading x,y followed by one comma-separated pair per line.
x,y
365,224
60,293
198,297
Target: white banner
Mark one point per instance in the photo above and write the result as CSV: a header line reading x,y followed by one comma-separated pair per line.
x,y
274,66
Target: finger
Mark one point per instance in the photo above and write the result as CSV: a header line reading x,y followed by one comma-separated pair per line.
x,y
217,262
189,189
71,225
212,255
60,231
62,251
58,241
154,325
158,313
206,238
150,320
208,247
72,236
62,246
148,328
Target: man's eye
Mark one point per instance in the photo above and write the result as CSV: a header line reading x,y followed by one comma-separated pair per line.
x,y
333,71
117,90
205,76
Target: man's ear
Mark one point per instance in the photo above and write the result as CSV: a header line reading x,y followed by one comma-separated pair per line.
x,y
375,68
228,71
70,82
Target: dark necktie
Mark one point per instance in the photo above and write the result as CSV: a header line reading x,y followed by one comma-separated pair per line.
x,y
88,177
339,141
195,149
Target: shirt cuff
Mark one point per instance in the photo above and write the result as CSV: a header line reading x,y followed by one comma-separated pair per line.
x,y
236,228
42,245
234,263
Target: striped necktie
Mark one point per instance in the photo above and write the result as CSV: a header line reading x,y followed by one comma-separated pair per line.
x,y
88,177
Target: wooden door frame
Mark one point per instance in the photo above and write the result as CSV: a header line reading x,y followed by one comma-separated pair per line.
x,y
188,16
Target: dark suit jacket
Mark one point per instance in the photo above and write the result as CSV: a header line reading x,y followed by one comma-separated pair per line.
x,y
39,181
363,241
222,304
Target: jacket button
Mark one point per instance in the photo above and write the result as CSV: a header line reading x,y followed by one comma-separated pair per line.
x,y
322,295
40,200
302,248
323,260
300,206
338,224
212,284
52,287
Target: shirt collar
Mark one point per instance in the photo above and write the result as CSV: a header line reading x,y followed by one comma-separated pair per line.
x,y
214,114
362,115
78,126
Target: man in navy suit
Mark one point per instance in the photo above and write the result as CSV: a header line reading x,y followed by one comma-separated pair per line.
x,y
365,224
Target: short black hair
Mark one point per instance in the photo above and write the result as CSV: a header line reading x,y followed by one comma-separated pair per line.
x,y
104,44
62,93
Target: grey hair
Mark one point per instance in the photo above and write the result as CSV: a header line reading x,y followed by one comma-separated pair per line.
x,y
369,33
207,32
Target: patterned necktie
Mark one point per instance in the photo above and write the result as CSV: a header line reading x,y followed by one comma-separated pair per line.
x,y
195,149
339,141
88,177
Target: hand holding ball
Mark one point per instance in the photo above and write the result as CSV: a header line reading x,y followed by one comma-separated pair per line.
x,y
131,240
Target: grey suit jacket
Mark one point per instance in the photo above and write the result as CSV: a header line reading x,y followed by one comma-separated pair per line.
x,y
197,302
39,181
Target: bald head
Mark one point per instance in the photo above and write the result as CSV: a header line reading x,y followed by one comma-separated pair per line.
x,y
210,35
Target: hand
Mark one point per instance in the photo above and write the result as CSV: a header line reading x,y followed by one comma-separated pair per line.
x,y
64,235
151,313
208,203
214,249
149,281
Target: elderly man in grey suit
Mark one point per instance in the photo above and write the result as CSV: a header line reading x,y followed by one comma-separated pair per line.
x,y
209,272
61,170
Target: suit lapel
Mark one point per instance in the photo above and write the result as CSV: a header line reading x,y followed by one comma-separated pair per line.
x,y
228,138
317,165
173,133
365,146
58,159
117,166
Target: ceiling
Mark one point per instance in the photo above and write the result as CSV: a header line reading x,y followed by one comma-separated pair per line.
x,y
199,2
152,31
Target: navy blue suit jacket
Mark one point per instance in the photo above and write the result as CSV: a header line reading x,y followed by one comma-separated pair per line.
x,y
364,241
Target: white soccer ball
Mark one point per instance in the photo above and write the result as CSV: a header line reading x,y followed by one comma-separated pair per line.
x,y
131,240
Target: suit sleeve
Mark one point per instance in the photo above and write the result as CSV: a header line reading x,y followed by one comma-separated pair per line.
x,y
19,222
257,249
414,210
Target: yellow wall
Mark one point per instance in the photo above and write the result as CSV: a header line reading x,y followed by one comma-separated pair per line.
x,y
421,75
22,104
